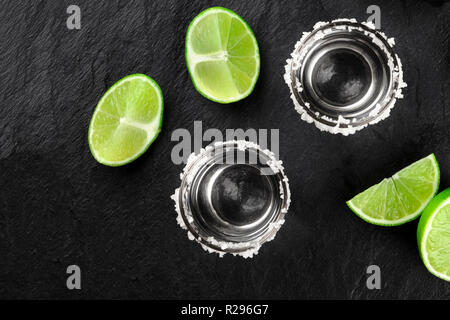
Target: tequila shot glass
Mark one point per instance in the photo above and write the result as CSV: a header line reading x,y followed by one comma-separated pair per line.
x,y
344,75
233,197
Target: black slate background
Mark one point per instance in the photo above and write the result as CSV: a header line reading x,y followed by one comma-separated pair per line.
x,y
59,207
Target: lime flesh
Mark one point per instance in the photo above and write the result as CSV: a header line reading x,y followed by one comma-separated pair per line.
x,y
433,235
222,55
126,121
400,198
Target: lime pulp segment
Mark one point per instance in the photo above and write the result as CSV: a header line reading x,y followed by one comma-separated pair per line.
x,y
400,198
433,235
222,55
126,120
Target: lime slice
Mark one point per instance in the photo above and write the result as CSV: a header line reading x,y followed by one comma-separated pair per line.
x,y
401,198
126,121
222,55
433,235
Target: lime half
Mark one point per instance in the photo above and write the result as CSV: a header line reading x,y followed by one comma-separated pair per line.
x,y
126,121
433,235
400,198
222,55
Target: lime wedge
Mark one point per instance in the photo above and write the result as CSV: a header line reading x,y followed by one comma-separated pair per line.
x,y
401,198
433,235
222,55
126,121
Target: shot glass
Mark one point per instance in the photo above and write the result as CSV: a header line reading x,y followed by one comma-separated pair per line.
x,y
233,197
344,75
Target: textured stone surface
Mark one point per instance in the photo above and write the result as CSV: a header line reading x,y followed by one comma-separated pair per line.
x,y
59,207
